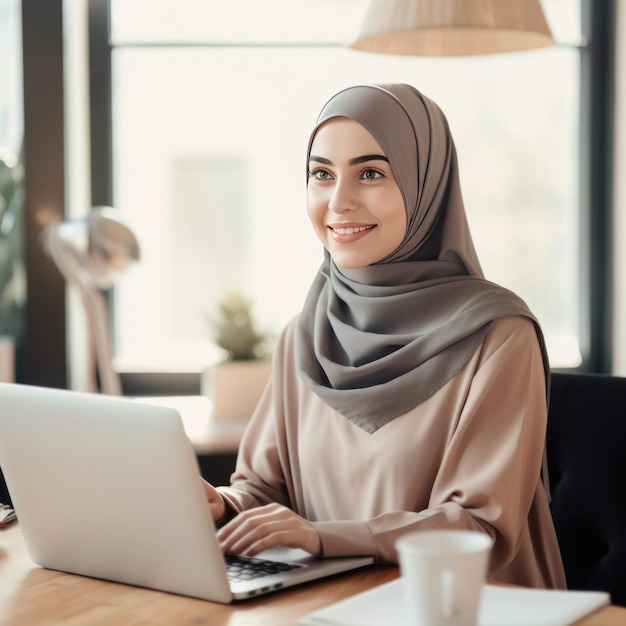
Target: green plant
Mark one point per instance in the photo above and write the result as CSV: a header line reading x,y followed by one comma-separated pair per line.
x,y
236,330
12,276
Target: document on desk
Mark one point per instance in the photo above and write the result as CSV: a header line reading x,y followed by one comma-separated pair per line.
x,y
7,514
500,606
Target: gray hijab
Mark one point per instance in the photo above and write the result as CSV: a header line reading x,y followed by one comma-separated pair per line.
x,y
375,342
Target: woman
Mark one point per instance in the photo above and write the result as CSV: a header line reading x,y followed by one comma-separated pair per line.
x,y
410,393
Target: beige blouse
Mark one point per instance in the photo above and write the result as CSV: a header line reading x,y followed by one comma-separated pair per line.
x,y
468,458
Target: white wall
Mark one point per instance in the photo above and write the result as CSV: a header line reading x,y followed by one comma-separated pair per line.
x,y
619,203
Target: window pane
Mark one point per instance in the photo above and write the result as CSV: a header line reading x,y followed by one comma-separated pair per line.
x,y
236,21
209,146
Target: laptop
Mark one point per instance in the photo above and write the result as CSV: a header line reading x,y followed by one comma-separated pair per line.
x,y
109,487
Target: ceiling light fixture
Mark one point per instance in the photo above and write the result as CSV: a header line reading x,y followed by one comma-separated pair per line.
x,y
453,27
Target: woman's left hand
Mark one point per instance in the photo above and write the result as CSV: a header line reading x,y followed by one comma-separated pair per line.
x,y
265,527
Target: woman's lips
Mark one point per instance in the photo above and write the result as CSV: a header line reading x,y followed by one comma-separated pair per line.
x,y
349,232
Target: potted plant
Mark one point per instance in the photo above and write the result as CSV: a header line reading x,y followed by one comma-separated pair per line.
x,y
235,384
12,274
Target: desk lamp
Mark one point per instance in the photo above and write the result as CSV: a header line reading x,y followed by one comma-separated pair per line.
x,y
91,253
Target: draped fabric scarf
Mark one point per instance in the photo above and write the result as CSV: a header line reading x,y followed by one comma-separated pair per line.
x,y
375,342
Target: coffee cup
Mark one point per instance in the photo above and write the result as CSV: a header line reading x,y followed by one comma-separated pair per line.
x,y
443,574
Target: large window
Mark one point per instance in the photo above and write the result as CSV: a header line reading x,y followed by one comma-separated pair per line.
x,y
212,106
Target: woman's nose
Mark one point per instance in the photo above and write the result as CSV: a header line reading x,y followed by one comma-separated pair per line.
x,y
342,199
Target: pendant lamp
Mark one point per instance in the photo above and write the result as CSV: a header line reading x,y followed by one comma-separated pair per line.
x,y
453,27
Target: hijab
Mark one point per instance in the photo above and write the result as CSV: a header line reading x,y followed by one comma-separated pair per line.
x,y
377,341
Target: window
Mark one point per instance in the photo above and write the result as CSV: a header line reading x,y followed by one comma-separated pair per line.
x,y
212,106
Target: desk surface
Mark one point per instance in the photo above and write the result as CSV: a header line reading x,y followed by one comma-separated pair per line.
x,y
30,595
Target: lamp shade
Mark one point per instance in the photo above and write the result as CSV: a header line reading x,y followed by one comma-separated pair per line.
x,y
453,27
92,250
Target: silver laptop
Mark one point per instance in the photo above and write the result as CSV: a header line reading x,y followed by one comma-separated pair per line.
x,y
109,487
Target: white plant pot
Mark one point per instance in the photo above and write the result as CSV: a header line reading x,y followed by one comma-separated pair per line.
x,y
235,387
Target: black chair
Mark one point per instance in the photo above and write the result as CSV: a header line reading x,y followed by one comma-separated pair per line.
x,y
586,446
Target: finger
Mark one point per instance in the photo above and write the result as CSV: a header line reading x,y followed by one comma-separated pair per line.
x,y
268,527
253,525
296,533
218,509
243,524
254,530
249,546
252,517
215,500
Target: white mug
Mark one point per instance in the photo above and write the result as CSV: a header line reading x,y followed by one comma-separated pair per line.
x,y
443,574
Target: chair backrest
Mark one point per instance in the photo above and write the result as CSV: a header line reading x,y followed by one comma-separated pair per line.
x,y
586,446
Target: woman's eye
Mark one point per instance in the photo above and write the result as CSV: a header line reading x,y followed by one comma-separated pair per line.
x,y
370,174
321,175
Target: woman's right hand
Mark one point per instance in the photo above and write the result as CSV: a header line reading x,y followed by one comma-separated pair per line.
x,y
215,500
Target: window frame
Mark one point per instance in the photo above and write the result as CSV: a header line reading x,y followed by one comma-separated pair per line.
x,y
597,129
42,349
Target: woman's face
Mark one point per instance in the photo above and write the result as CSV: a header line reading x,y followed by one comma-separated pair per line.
x,y
353,200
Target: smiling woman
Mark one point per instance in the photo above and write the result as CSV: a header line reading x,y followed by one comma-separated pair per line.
x,y
401,345
206,168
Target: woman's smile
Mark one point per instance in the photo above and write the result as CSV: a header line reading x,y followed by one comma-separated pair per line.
x,y
346,233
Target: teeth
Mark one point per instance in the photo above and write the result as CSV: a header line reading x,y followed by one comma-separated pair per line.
x,y
351,231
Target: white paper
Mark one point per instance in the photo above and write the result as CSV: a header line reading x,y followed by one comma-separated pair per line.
x,y
7,514
500,606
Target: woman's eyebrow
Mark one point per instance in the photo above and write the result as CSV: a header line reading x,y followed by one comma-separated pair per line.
x,y
319,159
368,157
354,161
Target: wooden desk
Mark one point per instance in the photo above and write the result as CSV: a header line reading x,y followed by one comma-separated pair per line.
x,y
32,596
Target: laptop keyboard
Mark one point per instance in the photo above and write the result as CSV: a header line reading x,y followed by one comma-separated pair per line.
x,y
249,568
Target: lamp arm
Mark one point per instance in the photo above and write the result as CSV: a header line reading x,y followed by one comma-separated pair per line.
x,y
95,307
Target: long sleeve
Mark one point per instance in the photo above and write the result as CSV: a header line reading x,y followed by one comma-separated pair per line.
x,y
469,457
